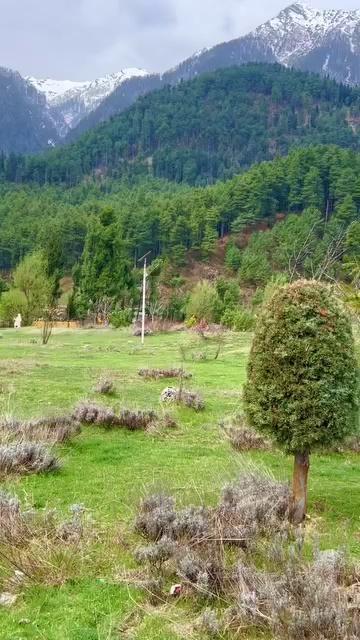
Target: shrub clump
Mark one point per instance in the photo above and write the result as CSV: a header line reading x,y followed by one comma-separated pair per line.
x,y
238,319
11,520
136,420
157,553
91,413
156,374
256,505
247,510
156,517
27,458
241,437
105,386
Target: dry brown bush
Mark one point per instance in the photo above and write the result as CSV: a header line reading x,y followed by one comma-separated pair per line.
x,y
305,600
53,430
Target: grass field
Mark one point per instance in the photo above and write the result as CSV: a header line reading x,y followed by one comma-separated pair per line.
x,y
109,471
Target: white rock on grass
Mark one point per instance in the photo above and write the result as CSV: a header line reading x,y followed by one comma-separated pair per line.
x,y
7,599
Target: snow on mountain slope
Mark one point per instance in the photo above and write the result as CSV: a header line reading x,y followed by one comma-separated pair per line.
x,y
70,101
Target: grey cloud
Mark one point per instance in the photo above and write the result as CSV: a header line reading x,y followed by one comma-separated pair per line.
x,y
158,12
82,39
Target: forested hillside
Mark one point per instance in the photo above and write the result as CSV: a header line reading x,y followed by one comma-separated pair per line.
x,y
204,130
306,205
25,124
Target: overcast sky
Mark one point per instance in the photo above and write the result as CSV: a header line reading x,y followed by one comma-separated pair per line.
x,y
83,39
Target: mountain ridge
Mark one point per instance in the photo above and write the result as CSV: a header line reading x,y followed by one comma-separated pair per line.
x,y
321,41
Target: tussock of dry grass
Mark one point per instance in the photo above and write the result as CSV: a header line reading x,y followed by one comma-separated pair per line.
x,y
105,386
41,547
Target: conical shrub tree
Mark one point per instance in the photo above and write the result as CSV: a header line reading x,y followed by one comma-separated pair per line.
x,y
302,386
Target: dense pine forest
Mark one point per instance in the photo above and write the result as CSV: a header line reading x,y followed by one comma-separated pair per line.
x,y
297,215
205,130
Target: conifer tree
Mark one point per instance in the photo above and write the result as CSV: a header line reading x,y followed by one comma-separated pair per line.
x,y
302,386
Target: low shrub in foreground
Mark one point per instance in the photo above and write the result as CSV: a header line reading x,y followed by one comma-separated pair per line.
x,y
39,547
267,582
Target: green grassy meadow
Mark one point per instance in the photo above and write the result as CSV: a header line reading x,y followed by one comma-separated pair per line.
x,y
109,472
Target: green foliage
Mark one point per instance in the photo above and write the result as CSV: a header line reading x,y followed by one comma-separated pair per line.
x,y
258,297
106,270
302,384
105,227
233,256
176,282
204,302
238,319
175,309
30,277
276,281
12,302
4,286
121,318
255,265
228,291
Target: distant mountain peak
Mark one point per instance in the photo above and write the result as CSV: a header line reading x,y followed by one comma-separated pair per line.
x,y
299,30
74,100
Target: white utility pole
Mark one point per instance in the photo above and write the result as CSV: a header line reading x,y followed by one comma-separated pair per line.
x,y
143,305
143,297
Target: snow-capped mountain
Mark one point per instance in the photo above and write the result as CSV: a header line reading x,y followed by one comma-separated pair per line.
x,y
69,101
318,40
322,41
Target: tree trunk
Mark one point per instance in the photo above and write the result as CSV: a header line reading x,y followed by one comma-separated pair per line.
x,y
299,495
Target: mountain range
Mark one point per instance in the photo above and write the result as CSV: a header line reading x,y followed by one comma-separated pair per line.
x,y
321,41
